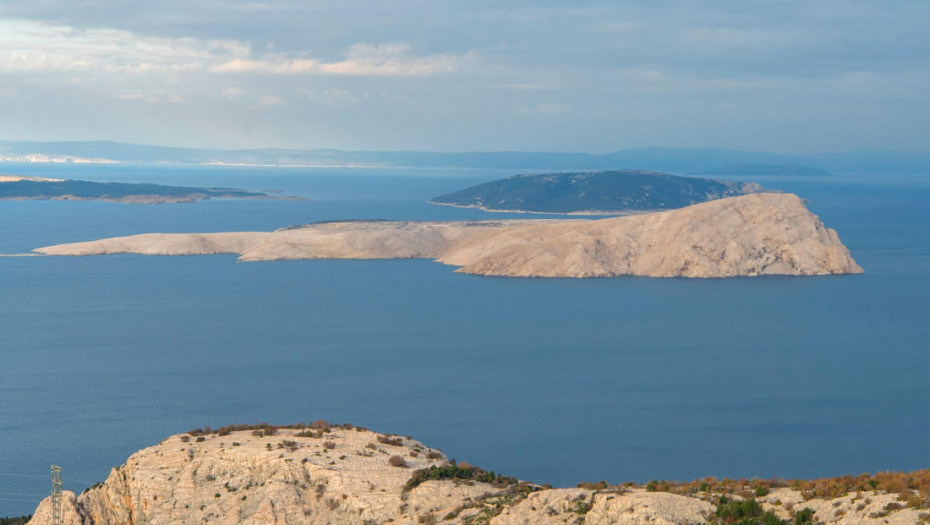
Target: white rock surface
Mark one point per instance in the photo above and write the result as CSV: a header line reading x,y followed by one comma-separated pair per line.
x,y
344,477
757,234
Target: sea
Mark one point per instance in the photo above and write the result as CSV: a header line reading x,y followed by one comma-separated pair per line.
x,y
549,380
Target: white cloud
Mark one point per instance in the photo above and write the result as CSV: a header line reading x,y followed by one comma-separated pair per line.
x,y
546,109
342,95
33,47
231,92
270,101
36,48
150,96
361,59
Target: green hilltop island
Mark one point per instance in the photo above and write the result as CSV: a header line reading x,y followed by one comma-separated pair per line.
x,y
596,192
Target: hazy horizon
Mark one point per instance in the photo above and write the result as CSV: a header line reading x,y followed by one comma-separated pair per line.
x,y
791,77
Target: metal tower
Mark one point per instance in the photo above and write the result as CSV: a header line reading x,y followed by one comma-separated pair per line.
x,y
56,495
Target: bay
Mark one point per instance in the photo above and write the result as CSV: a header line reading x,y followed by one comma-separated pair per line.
x,y
552,380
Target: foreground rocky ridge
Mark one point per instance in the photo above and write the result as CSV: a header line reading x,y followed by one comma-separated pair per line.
x,y
756,234
350,475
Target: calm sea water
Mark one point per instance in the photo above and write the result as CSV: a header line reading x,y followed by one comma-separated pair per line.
x,y
550,380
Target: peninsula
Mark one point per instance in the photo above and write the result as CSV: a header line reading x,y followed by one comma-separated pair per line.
x,y
319,473
762,169
596,192
750,235
37,188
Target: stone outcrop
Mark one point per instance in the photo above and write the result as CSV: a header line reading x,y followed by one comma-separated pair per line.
x,y
348,475
750,235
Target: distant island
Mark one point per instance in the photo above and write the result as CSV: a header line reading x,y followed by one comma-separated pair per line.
x,y
762,169
749,235
674,160
14,187
320,473
608,192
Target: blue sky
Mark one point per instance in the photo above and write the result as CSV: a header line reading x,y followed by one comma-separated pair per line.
x,y
772,75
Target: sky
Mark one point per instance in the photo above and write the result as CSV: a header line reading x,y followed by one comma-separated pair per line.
x,y
770,75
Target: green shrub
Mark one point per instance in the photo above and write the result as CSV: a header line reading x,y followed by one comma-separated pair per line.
x,y
463,471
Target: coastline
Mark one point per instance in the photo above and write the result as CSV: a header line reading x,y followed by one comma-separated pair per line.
x,y
615,213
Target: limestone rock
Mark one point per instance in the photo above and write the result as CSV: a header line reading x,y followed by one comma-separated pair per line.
x,y
345,476
648,508
750,235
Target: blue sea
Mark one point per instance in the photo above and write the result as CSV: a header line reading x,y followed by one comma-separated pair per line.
x,y
551,380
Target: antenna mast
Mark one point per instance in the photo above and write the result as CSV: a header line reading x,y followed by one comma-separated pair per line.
x,y
56,495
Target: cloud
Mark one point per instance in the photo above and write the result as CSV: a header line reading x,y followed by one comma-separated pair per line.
x,y
32,47
152,97
360,60
231,93
546,109
269,101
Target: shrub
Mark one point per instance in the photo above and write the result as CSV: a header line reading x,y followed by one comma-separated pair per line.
x,y
600,485
397,461
393,441
329,445
805,517
462,471
289,445
736,510
21,520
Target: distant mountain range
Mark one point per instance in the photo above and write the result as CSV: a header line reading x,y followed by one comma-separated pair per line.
x,y
762,169
676,160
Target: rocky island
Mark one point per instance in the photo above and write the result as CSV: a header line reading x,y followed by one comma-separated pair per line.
x,y
320,473
749,235
38,188
596,192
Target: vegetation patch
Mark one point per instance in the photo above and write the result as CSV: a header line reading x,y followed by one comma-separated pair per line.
x,y
912,488
14,520
461,471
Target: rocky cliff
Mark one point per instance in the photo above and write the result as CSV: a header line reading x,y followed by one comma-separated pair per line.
x,y
756,234
350,475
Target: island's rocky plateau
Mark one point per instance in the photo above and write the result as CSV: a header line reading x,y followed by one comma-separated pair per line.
x,y
749,235
322,474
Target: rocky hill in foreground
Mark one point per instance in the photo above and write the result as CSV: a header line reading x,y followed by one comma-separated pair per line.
x,y
758,234
322,474
625,191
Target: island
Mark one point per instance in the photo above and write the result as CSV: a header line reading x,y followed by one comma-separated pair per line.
x,y
13,187
741,170
596,192
321,473
750,235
